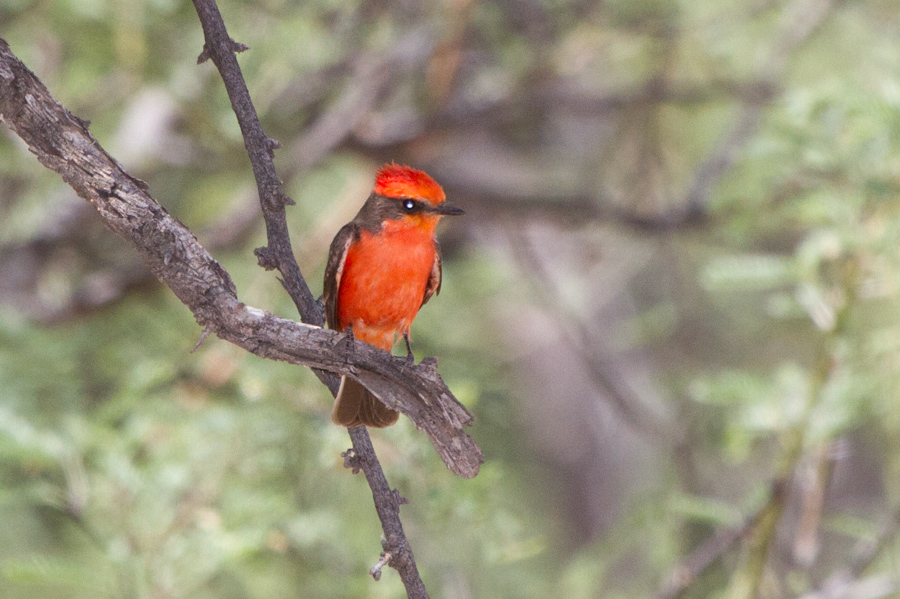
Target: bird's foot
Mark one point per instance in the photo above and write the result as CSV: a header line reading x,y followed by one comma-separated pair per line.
x,y
410,358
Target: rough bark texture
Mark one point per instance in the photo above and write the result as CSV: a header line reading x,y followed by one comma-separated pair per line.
x,y
63,143
387,504
221,49
278,254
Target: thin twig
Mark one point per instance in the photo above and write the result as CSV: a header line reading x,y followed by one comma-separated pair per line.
x,y
387,504
375,570
63,143
220,48
629,406
172,253
865,552
710,550
279,254
747,582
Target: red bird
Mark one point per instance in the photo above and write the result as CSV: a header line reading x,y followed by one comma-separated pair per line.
x,y
383,266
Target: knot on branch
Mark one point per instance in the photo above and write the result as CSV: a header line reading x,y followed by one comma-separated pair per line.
x,y
429,364
399,551
351,461
273,197
234,46
266,258
398,498
375,570
142,185
271,146
281,199
85,124
204,55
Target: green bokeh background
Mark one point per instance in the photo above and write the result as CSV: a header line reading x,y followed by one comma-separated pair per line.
x,y
761,340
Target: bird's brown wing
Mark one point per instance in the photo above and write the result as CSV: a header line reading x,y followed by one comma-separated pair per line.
x,y
334,269
354,405
433,286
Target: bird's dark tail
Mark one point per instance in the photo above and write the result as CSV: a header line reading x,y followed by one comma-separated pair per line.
x,y
355,405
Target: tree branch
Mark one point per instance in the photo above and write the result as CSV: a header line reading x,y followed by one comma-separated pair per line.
x,y
841,582
220,48
279,254
63,143
706,553
387,504
630,407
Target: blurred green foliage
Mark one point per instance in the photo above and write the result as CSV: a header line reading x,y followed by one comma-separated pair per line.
x,y
130,467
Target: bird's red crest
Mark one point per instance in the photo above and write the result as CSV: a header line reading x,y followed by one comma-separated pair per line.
x,y
399,181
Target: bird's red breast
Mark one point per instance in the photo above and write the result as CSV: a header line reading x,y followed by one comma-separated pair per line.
x,y
383,283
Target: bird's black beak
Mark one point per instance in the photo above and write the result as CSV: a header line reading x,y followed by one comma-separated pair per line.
x,y
445,209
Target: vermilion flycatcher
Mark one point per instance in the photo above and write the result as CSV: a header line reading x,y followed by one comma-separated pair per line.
x,y
382,267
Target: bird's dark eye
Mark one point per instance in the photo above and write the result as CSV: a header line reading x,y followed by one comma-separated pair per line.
x,y
408,205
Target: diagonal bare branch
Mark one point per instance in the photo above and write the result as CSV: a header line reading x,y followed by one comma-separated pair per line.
x,y
220,48
62,143
431,417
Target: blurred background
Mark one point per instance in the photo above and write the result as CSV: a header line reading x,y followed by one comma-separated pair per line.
x,y
672,305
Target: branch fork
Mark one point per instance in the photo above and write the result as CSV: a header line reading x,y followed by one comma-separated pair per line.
x,y
172,253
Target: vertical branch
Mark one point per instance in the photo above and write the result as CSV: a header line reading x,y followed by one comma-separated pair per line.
x,y
748,580
628,404
680,579
387,504
221,49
